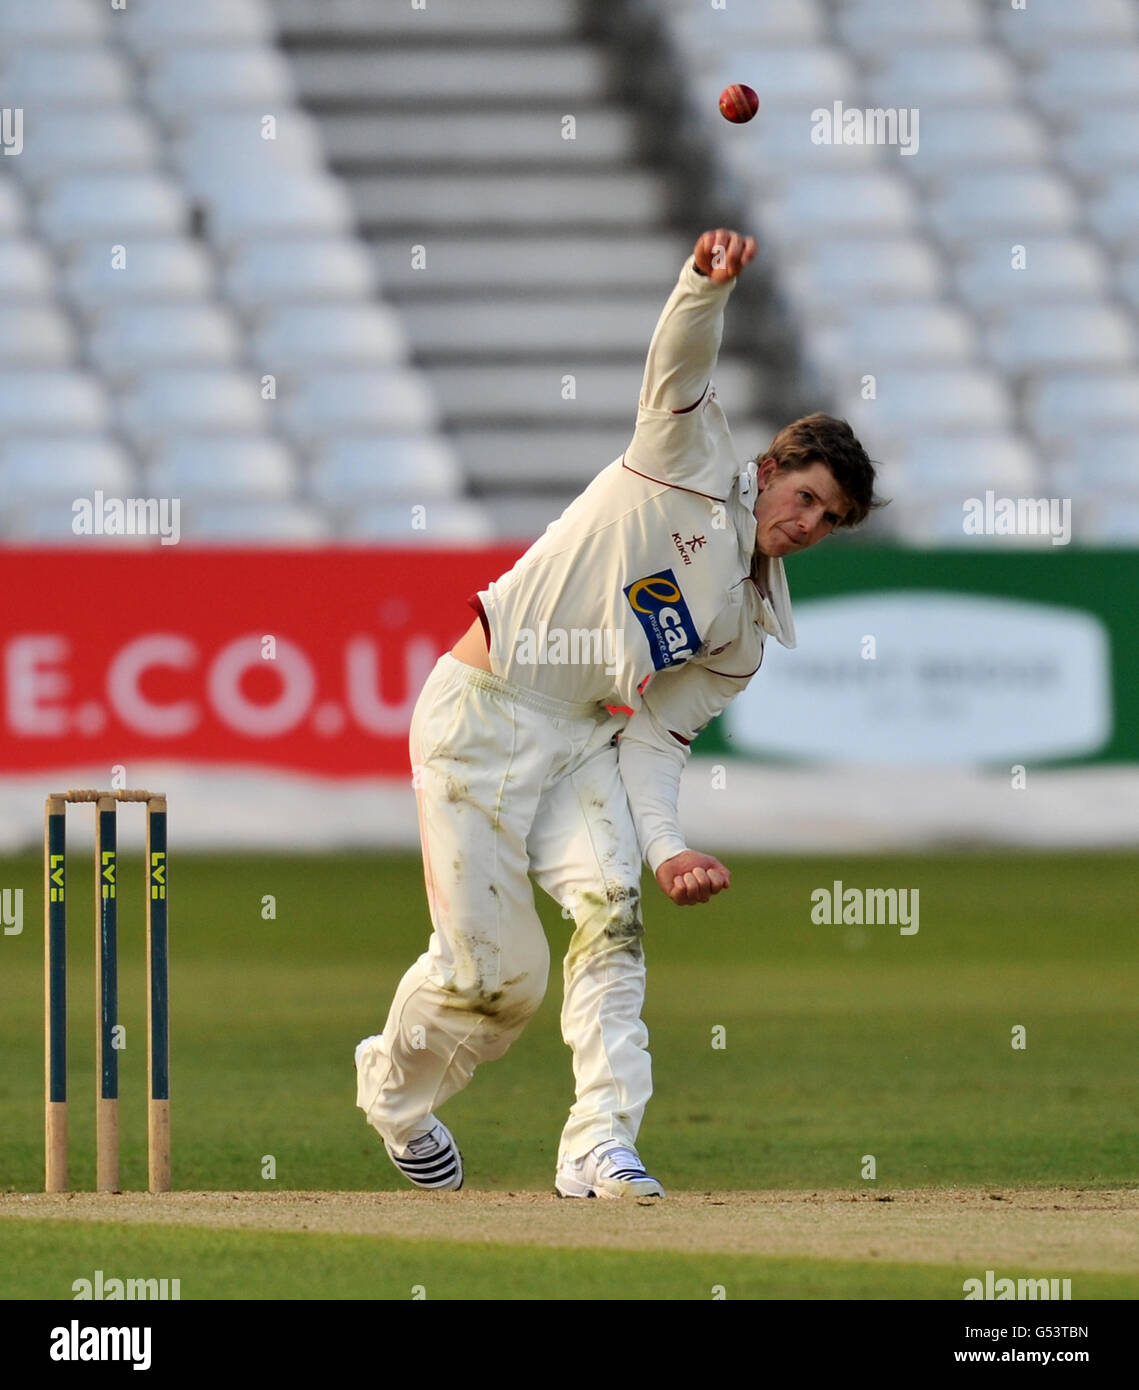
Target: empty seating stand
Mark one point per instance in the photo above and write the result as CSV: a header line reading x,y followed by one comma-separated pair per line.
x,y
244,258
179,278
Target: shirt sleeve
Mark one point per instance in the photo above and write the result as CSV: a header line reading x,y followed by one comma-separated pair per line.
x,y
654,748
672,443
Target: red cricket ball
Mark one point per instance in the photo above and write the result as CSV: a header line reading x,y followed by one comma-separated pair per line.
x,y
738,103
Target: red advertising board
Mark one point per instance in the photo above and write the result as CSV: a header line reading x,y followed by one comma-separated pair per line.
x,y
309,660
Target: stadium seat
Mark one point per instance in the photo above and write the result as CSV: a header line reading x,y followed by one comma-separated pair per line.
x,y
162,268
454,521
353,400
1063,404
701,29
64,74
837,205
254,523
168,401
47,21
969,460
148,28
371,468
976,138
13,214
278,203
914,400
1105,521
1055,23
131,337
27,272
1100,140
869,26
213,466
1039,337
188,79
106,139
1016,204
265,273
1072,76
1127,277
296,336
43,401
116,206
1055,268
935,74
856,269
921,333
531,456
1099,459
35,335
213,149
39,466
1114,214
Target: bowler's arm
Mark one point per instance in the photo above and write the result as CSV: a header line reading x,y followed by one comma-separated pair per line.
x,y
686,342
652,752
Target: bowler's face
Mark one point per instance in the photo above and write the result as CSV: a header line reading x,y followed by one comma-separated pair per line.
x,y
796,510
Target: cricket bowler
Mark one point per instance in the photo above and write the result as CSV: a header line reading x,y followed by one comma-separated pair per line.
x,y
548,744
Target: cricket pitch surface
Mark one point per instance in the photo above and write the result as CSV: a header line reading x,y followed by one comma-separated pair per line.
x,y
1061,1228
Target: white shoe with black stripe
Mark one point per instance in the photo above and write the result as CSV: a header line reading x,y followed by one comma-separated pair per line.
x,y
432,1160
611,1169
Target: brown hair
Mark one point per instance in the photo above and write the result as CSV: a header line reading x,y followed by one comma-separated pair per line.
x,y
824,439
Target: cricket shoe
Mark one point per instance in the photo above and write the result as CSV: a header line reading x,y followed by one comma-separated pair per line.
x,y
611,1169
432,1160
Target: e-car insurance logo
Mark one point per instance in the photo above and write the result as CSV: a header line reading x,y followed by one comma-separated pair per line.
x,y
662,612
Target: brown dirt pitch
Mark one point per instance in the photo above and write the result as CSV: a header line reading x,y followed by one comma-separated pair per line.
x,y
984,1228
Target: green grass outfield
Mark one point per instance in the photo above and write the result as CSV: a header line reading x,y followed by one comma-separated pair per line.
x,y
42,1258
839,1041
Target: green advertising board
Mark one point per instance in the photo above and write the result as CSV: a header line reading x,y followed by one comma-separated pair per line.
x,y
958,657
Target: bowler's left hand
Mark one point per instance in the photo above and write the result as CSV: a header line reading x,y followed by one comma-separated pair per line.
x,y
691,877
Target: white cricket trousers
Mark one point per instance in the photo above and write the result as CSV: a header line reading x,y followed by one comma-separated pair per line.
x,y
511,783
